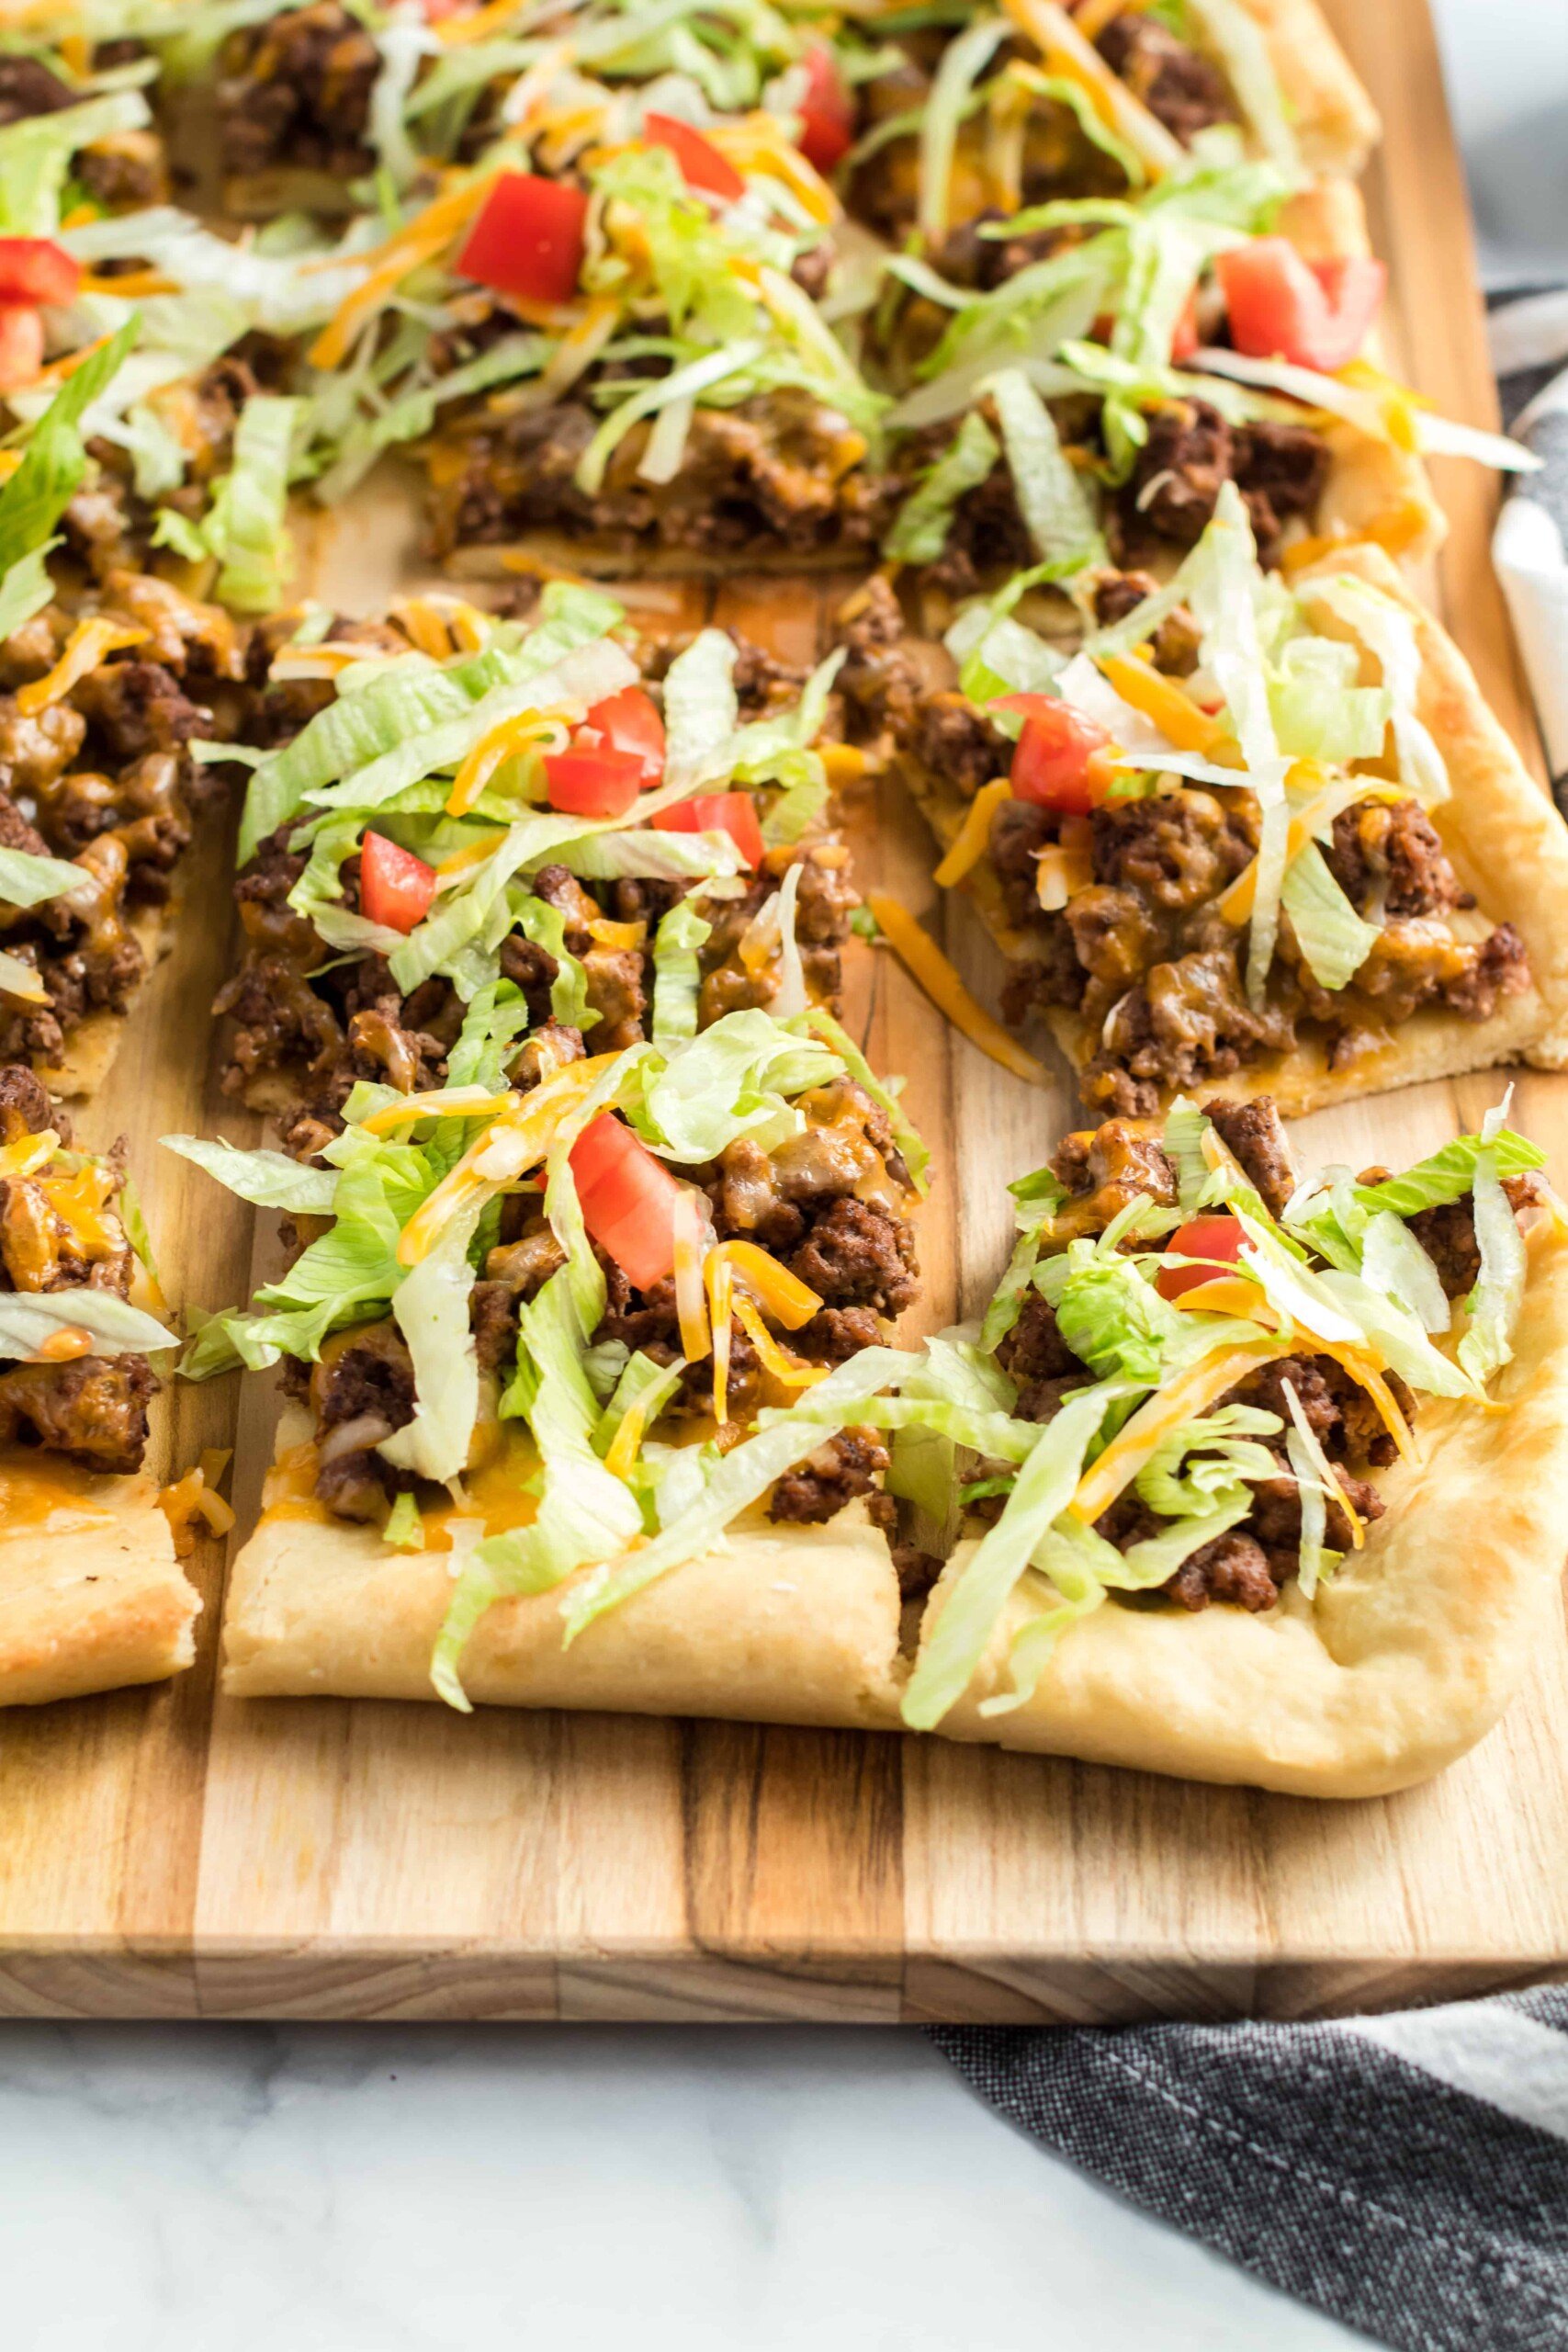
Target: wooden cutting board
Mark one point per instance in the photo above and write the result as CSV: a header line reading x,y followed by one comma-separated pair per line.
x,y
169,1854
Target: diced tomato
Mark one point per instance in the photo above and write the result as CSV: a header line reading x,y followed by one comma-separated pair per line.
x,y
702,165
1056,763
395,887
628,1199
595,782
826,111
1315,314
1184,342
715,812
21,346
35,269
629,721
1200,1237
528,239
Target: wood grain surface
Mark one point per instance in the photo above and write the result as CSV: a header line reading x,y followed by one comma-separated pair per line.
x,y
166,1854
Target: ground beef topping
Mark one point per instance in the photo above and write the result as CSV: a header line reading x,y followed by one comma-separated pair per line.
x,y
781,472
1191,452
296,90
1183,89
93,1409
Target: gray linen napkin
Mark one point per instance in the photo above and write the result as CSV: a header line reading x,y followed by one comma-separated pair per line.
x,y
1406,2175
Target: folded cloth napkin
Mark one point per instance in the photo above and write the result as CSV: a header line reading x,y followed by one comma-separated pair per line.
x,y
1529,547
1407,2174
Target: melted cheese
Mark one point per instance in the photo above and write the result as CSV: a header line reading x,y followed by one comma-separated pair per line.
x,y
89,643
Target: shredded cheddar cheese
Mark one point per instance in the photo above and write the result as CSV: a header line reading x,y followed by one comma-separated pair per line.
x,y
63,1346
790,1371
969,841
504,741
453,1103
690,1304
623,1448
1182,1400
518,1139
1069,55
925,962
90,642
1163,702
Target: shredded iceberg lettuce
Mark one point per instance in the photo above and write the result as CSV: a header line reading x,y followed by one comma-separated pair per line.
x,y
30,1318
974,1602
919,532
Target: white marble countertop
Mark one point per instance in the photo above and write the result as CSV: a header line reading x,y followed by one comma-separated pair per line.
x,y
377,2189
190,2189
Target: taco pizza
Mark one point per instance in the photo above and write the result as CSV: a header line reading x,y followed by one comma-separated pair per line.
x,y
1256,836
1033,102
593,1334
92,1596
627,843
1236,1421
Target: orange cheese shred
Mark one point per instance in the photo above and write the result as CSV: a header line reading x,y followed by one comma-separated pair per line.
x,y
925,962
970,841
91,641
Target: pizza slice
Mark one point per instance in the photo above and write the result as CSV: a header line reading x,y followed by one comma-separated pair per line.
x,y
1259,835
626,844
92,1596
1256,1475
579,1364
1032,102
1086,373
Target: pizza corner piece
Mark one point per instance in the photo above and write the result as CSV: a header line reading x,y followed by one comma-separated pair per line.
x,y
93,1596
577,1363
1252,833
1236,1414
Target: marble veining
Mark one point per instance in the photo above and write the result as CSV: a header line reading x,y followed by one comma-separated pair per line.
x,y
190,2189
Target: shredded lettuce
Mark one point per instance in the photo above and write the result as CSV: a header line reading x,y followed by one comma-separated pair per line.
x,y
1448,1174
1388,632
1238,40
963,62
1335,940
1043,1488
431,1309
1498,1296
1201,1462
1057,508
244,526
28,879
1393,1261
54,462
37,149
920,531
29,1319
677,944
741,1477
270,1180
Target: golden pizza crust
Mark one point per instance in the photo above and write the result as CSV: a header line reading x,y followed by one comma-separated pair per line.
x,y
1336,123
776,1625
1406,1656
91,1597
1507,846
